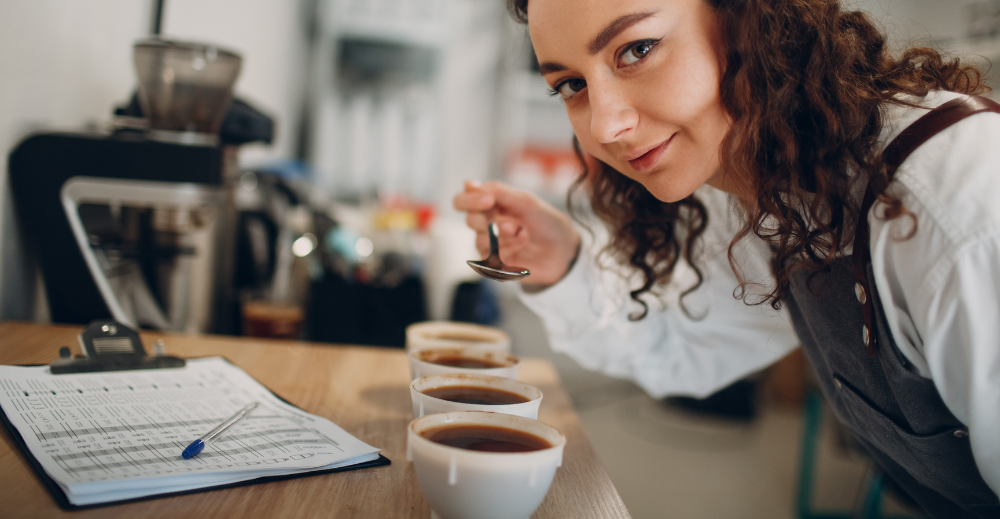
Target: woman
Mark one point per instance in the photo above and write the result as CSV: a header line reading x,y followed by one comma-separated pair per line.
x,y
732,147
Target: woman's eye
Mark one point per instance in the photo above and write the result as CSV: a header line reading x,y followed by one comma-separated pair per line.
x,y
636,52
570,87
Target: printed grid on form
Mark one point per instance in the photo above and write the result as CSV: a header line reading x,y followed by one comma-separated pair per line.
x,y
92,428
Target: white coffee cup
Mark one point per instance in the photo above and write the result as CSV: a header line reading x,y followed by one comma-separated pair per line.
x,y
459,483
424,404
445,334
422,362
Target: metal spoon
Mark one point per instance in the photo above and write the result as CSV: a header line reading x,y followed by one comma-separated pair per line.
x,y
492,267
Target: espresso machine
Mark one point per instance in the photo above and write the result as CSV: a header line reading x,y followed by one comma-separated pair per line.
x,y
136,223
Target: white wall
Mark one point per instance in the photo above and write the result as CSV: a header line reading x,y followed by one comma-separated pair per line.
x,y
944,25
918,20
67,63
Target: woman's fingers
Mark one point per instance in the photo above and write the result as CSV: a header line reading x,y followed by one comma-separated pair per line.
x,y
511,238
483,244
519,239
508,207
477,221
509,200
492,195
474,198
508,229
470,202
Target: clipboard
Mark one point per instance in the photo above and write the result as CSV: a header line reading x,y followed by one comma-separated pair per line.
x,y
92,365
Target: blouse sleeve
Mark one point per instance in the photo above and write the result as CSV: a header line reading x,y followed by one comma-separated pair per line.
x,y
963,350
940,287
718,340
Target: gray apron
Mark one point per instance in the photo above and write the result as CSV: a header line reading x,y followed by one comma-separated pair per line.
x,y
895,413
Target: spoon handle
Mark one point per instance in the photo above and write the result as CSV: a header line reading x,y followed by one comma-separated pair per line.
x,y
494,243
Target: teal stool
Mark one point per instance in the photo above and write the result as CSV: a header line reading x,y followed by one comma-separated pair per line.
x,y
870,499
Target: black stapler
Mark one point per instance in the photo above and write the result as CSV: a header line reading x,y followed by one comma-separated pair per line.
x,y
107,345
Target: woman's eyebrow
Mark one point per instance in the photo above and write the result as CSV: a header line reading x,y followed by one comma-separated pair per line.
x,y
548,67
614,29
602,40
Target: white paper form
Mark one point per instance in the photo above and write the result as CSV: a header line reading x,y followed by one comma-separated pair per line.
x,y
118,435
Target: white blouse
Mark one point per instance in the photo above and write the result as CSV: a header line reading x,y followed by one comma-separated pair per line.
x,y
940,290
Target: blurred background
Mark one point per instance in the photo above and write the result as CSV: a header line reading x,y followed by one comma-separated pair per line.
x,y
285,169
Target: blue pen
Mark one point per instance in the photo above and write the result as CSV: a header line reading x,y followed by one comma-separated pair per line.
x,y
199,444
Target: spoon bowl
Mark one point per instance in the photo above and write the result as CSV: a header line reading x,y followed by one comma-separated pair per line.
x,y
492,267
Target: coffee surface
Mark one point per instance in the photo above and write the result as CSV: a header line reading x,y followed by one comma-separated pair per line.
x,y
486,438
475,395
448,335
458,361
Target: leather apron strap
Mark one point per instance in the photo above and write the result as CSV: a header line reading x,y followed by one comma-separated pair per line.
x,y
895,153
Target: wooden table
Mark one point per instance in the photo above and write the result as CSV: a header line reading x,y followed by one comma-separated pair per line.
x,y
364,390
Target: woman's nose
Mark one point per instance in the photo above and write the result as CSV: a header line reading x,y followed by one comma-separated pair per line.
x,y
611,116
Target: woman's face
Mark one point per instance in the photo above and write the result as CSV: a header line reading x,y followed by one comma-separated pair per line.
x,y
640,79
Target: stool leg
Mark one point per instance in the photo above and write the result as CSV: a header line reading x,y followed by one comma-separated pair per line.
x,y
810,438
869,504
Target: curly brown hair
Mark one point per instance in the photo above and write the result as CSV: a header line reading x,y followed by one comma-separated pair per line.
x,y
804,83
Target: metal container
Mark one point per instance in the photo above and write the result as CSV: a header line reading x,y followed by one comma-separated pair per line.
x,y
185,86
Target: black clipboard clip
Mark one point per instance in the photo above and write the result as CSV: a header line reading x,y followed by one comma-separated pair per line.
x,y
108,345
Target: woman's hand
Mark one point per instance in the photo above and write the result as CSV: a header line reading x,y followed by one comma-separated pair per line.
x,y
533,234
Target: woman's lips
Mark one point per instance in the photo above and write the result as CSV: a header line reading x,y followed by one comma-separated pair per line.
x,y
651,158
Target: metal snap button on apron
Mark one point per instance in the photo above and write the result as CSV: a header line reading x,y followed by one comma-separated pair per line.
x,y
840,385
859,292
864,334
961,433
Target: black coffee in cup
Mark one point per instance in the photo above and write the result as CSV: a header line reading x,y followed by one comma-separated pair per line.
x,y
476,395
486,438
456,359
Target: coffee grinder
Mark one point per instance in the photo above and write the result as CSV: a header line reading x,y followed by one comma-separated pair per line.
x,y
136,223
